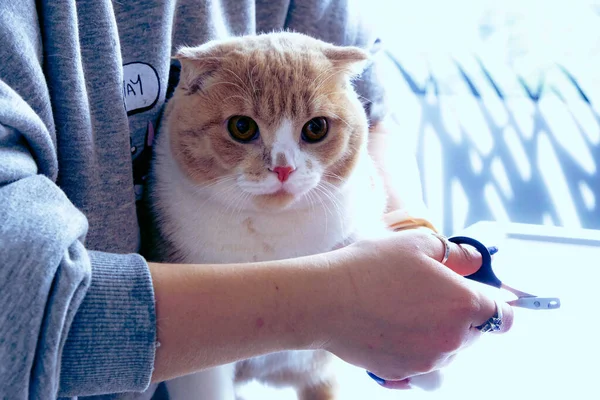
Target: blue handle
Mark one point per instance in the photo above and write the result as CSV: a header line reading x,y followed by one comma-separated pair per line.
x,y
484,274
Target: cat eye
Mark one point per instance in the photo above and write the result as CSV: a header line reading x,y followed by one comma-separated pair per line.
x,y
315,130
243,129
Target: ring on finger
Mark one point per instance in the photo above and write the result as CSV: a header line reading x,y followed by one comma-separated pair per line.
x,y
494,323
446,243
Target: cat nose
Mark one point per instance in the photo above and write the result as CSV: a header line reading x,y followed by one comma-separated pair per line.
x,y
283,172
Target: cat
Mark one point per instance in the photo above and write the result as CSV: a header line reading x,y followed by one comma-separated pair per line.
x,y
262,155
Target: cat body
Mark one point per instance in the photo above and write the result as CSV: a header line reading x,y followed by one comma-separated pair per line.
x,y
262,155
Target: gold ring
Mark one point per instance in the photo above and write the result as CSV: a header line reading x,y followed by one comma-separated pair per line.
x,y
446,246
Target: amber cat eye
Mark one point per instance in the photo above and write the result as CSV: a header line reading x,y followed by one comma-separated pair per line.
x,y
243,129
315,130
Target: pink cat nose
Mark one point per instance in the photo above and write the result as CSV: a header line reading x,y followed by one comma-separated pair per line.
x,y
283,172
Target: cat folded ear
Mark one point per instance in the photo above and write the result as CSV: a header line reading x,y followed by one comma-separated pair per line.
x,y
197,65
352,59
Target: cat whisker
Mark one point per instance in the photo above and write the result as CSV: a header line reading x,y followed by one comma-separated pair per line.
x,y
214,182
200,190
305,196
217,193
311,204
332,175
243,201
320,74
331,197
230,83
232,205
222,179
240,204
246,100
239,79
231,200
327,210
334,72
251,79
324,95
329,194
330,185
364,98
341,119
330,188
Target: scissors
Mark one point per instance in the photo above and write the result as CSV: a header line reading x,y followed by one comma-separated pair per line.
x,y
486,275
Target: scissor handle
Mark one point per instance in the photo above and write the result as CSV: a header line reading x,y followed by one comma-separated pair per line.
x,y
484,274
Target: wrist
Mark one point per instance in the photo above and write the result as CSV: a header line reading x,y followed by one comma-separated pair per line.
x,y
313,292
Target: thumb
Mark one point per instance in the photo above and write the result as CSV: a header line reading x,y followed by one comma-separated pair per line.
x,y
493,308
466,260
462,259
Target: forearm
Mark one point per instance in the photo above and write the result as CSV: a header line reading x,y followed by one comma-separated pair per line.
x,y
209,315
394,155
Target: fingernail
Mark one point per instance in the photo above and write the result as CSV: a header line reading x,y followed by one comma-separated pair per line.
x,y
493,250
376,378
404,384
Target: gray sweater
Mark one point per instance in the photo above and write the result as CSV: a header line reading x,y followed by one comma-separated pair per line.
x,y
82,84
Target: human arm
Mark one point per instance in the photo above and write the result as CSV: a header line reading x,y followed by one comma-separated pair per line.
x,y
386,306
72,320
397,164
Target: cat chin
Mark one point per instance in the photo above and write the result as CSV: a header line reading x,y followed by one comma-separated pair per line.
x,y
279,201
282,199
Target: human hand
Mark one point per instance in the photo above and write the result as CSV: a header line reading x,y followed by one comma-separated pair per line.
x,y
405,314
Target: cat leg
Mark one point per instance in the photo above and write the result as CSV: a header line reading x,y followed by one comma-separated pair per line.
x,y
308,373
211,384
428,382
326,390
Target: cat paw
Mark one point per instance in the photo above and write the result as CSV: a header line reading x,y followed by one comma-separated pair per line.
x,y
428,382
323,391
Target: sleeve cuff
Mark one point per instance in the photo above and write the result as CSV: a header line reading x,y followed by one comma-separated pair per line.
x,y
403,219
111,347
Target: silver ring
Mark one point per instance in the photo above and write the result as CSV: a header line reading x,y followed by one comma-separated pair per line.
x,y
446,246
494,324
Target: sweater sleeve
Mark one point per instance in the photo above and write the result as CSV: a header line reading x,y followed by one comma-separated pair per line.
x,y
72,321
345,23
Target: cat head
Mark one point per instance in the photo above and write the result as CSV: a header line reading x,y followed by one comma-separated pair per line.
x,y
263,121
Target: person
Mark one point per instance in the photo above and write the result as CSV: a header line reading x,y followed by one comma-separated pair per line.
x,y
82,85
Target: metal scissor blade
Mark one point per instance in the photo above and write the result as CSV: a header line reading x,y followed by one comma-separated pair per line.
x,y
536,303
516,292
526,300
485,275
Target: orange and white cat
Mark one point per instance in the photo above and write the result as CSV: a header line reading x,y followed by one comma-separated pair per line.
x,y
262,155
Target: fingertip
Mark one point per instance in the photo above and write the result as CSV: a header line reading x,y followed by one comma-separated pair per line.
x,y
404,384
494,309
464,260
508,317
